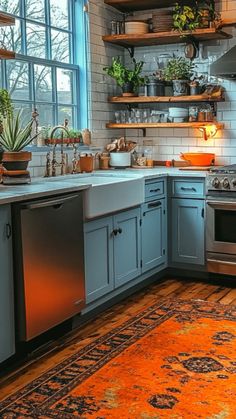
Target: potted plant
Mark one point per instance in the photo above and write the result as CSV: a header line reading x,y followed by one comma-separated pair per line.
x,y
189,18
13,139
179,71
75,136
207,13
6,109
128,79
185,18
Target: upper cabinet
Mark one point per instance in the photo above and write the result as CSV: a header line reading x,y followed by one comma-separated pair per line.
x,y
6,20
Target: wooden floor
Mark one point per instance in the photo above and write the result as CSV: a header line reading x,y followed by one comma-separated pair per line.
x,y
171,288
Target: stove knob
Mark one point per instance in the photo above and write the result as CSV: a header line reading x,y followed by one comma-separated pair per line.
x,y
225,183
234,183
216,183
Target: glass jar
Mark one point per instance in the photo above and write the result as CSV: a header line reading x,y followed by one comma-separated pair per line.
x,y
193,113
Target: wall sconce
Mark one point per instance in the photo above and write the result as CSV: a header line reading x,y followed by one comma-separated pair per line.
x,y
209,131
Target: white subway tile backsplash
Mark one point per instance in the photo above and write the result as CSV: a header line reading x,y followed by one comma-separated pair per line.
x,y
168,142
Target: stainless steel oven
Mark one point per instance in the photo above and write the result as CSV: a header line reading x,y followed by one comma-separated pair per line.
x,y
221,221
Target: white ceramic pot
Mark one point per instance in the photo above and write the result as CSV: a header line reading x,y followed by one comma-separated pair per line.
x,y
120,159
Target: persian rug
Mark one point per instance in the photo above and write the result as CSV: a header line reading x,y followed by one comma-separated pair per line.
x,y
176,359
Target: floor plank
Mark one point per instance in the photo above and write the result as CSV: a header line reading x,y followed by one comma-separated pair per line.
x,y
229,297
219,293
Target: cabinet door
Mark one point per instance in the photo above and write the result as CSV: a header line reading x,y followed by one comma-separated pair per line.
x,y
98,258
127,257
188,242
154,231
7,329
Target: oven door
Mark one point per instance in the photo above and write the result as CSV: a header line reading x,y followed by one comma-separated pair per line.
x,y
221,226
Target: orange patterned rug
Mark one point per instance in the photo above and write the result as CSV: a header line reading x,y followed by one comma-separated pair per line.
x,y
176,359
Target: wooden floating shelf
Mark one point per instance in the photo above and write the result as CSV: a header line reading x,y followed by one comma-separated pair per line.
x,y
7,55
164,125
162,38
6,20
164,99
132,5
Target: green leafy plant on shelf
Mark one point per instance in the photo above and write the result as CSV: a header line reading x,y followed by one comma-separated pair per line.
x,y
14,136
185,18
179,70
199,15
126,78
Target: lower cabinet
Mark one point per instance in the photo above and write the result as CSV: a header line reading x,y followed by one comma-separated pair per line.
x,y
112,252
188,238
7,331
98,252
154,234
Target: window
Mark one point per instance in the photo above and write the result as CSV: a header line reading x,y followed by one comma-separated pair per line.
x,y
46,72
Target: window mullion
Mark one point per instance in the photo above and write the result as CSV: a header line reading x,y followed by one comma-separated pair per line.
x,y
48,30
54,93
23,28
71,14
32,83
4,74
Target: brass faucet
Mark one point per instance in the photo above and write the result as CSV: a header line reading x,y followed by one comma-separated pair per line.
x,y
63,159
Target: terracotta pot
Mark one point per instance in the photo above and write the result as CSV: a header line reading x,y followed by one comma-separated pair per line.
x,y
16,160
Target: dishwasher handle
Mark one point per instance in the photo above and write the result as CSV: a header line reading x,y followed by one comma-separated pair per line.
x,y
50,203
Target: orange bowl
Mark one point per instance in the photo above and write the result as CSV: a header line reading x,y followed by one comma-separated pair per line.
x,y
199,159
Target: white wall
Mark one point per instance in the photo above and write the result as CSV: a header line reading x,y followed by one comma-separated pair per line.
x,y
167,143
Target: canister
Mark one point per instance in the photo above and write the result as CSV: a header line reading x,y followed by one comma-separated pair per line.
x,y
86,163
155,88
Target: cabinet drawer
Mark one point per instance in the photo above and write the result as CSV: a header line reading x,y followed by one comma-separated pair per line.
x,y
188,188
154,189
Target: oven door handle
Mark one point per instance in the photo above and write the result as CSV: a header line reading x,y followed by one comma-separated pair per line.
x,y
222,204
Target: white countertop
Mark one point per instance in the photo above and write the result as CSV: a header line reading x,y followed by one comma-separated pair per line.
x,y
43,187
147,173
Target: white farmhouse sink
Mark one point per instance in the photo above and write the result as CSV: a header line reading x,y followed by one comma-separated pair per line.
x,y
110,193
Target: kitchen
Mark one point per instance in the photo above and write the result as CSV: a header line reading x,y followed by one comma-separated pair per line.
x,y
161,193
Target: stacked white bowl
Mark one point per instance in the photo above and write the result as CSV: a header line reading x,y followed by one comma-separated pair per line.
x,y
178,114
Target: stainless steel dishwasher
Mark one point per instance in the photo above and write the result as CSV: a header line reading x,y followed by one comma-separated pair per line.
x,y
48,262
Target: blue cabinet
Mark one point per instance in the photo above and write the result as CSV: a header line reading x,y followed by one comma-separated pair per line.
x,y
7,331
127,246
112,252
188,238
98,242
154,234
